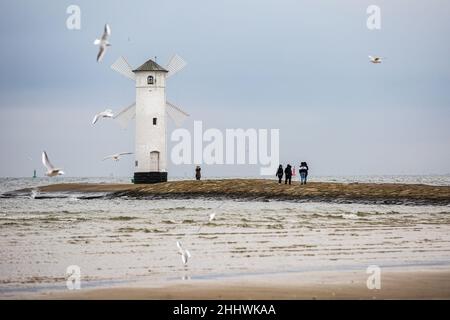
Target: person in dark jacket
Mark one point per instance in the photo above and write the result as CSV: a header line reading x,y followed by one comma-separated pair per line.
x,y
198,173
288,174
303,170
279,173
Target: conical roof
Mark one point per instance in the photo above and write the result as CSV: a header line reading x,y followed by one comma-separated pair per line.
x,y
150,65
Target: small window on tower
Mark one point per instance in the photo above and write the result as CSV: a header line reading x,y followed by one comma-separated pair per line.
x,y
150,80
136,163
154,121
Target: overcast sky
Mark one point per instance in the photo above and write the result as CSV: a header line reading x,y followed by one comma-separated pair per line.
x,y
299,66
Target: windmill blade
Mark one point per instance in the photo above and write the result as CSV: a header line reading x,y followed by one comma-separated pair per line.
x,y
175,65
126,115
176,114
123,67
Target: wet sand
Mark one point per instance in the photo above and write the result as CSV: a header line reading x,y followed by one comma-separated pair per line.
x,y
395,284
248,189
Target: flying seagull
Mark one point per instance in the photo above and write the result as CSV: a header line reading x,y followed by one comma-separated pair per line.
x,y
34,193
51,170
108,113
103,43
116,157
376,59
211,217
185,254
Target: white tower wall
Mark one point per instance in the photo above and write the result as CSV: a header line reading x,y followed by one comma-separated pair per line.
x,y
150,138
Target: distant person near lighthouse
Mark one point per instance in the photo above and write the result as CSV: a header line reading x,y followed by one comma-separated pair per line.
x,y
288,174
198,173
303,170
279,173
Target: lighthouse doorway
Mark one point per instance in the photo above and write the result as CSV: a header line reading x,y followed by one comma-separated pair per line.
x,y
154,173
154,161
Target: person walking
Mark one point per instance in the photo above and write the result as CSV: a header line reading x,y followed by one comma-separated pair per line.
x,y
198,173
288,174
303,170
279,173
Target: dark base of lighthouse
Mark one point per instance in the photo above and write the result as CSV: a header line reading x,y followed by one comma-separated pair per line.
x,y
149,177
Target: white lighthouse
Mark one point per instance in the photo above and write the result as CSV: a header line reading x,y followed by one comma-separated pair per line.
x,y
150,161
150,112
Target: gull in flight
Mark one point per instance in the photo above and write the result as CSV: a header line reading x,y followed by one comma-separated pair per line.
x,y
211,217
34,193
108,113
185,254
103,43
51,170
376,59
116,157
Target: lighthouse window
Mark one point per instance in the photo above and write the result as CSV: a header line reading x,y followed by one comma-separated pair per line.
x,y
150,80
154,121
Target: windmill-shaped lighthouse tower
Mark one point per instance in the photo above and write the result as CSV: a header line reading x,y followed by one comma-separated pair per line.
x,y
150,163
150,110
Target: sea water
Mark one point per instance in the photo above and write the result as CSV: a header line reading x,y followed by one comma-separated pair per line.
x,y
122,240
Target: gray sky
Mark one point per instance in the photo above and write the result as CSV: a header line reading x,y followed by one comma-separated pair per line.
x,y
300,66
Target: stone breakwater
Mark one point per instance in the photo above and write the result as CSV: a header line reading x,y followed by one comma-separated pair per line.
x,y
262,190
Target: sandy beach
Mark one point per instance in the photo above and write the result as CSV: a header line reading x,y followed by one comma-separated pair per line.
x,y
406,283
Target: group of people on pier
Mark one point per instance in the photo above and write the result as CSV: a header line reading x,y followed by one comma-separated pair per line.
x,y
288,172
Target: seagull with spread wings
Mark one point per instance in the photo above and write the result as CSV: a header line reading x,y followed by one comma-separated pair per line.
x,y
185,254
51,170
103,43
108,113
376,59
116,157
